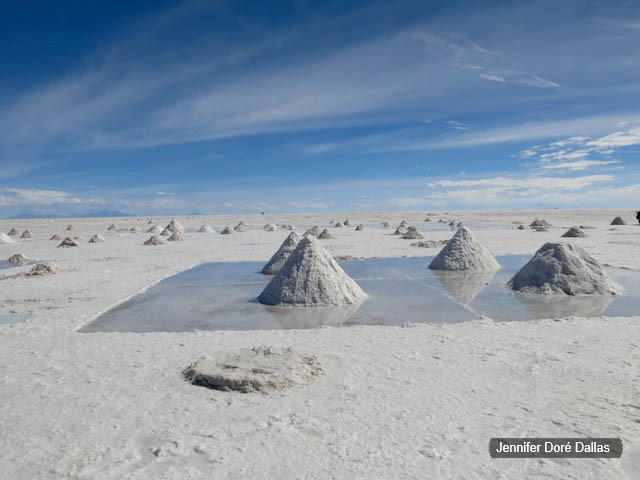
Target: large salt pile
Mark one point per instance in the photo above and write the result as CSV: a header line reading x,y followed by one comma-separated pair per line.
x,y
155,240
166,232
563,268
227,231
574,232
325,235
412,233
205,229
175,226
280,257
14,233
97,239
4,238
618,221
464,252
18,259
315,231
269,227
311,277
258,369
68,242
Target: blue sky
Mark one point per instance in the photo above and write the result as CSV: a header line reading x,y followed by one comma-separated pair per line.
x,y
154,107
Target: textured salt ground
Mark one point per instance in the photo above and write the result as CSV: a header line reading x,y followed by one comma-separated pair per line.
x,y
395,402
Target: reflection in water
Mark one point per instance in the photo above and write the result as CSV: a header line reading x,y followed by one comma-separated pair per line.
x,y
7,318
312,317
558,306
464,285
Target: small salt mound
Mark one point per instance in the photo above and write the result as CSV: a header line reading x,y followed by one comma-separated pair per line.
x,y
175,226
42,269
55,237
155,240
205,229
311,277
404,223
13,232
347,223
427,219
269,227
459,225
521,227
155,229
338,225
249,370
166,232
227,231
315,231
401,230
287,227
325,235
4,238
97,239
539,223
566,269
430,244
112,227
464,252
68,242
176,237
135,230
412,233
574,232
540,229
70,228
282,254
241,227
359,228
386,225
18,259
618,221
452,223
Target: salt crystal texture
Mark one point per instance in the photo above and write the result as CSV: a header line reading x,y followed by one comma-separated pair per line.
x,y
282,254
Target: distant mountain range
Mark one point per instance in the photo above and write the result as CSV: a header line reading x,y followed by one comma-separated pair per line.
x,y
99,213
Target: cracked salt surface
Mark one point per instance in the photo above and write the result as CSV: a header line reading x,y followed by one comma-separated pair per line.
x,y
222,296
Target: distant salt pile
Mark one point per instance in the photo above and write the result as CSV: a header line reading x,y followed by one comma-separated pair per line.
x,y
176,237
574,232
401,230
540,229
338,225
412,233
155,229
112,227
386,225
155,240
428,219
311,277
14,233
563,268
42,269
269,227
55,237
241,227
464,252
347,223
97,239
175,226
68,242
18,259
539,223
325,235
166,232
359,228
618,221
250,370
135,230
282,254
4,238
205,229
521,227
227,231
26,234
315,231
459,225
70,228
430,244
287,227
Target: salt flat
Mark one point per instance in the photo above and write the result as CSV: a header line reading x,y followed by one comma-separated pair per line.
x,y
419,401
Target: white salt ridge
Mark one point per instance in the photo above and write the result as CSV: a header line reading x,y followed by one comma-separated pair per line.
x,y
4,238
311,277
563,268
282,254
464,252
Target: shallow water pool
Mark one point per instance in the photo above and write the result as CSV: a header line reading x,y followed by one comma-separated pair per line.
x,y
222,296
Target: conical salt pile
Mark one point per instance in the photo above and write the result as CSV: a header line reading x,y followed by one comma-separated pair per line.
x,y
166,232
325,235
412,233
175,226
205,229
347,223
521,227
459,225
386,225
563,268
539,223
97,239
311,277
359,228
18,259
403,223
464,252
618,221
135,230
14,233
315,231
68,242
427,219
338,225
280,257
269,227
55,237
155,240
26,234
227,231
241,227
112,227
42,269
4,238
401,230
70,228
155,229
176,237
574,232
